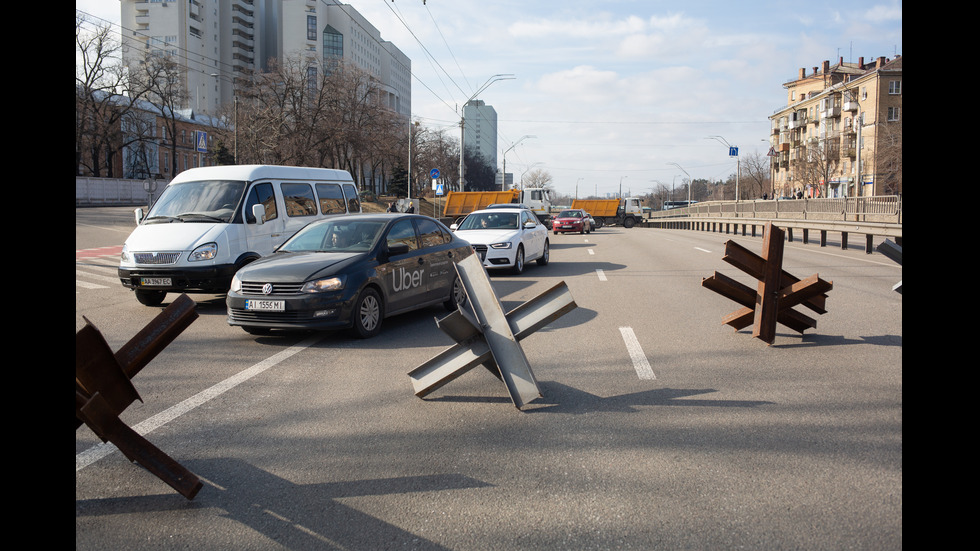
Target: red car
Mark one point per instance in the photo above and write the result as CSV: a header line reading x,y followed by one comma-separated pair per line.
x,y
571,220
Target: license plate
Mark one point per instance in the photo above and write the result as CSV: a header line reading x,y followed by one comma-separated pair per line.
x,y
567,227
154,281
265,305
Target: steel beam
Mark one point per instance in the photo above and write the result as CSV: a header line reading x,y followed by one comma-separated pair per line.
x,y
487,336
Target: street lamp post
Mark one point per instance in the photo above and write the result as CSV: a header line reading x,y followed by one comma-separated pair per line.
x,y
462,121
503,174
738,166
689,181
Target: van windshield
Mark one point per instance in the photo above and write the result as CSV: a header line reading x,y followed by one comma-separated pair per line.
x,y
204,201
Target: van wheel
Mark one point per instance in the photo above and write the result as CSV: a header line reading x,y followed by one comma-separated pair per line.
x,y
150,298
368,313
457,296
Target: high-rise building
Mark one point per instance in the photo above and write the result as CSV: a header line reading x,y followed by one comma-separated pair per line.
x,y
217,41
840,132
480,130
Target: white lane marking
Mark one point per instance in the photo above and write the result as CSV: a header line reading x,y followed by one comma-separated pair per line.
x,y
591,251
602,276
93,454
640,363
99,277
702,250
88,285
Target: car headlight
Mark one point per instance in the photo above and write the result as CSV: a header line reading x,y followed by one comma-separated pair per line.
x,y
208,251
324,285
501,245
124,256
236,283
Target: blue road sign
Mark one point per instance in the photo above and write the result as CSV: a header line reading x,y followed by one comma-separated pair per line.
x,y
434,173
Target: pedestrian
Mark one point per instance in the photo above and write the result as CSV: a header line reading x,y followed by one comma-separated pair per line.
x,y
391,207
411,208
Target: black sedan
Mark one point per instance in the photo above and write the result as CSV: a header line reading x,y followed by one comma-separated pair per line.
x,y
350,271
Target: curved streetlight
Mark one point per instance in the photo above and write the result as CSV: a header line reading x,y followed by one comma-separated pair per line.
x,y
462,120
731,150
690,182
503,174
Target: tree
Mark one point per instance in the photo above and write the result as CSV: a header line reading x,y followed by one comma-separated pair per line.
x,y
103,98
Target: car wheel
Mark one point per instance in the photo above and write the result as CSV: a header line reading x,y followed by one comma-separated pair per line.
x,y
150,298
518,261
457,296
545,254
629,223
368,313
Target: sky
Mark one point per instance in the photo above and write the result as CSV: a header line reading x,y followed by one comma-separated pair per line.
x,y
618,93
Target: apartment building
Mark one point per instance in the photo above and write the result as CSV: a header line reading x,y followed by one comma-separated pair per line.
x,y
840,133
216,42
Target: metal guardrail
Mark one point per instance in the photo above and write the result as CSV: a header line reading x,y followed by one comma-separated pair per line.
x,y
869,216
882,209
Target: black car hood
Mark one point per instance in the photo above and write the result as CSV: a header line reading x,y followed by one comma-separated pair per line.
x,y
296,267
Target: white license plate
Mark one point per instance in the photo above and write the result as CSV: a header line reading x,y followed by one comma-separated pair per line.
x,y
154,281
567,227
266,305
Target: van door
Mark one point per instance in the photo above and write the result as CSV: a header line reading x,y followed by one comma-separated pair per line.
x,y
265,237
300,204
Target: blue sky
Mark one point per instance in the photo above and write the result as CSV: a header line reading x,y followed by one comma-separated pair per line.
x,y
614,90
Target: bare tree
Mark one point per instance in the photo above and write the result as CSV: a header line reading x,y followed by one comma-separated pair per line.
x,y
755,178
161,76
103,97
888,162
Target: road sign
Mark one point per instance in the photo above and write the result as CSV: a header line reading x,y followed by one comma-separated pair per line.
x,y
434,173
733,151
772,152
439,189
202,141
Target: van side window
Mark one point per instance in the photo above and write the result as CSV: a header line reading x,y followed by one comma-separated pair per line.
x,y
432,235
403,232
331,198
264,194
299,199
353,203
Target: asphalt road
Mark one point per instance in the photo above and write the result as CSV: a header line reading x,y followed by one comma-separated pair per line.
x,y
659,428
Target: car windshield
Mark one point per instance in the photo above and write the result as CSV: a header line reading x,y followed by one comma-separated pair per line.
x,y
335,235
490,221
570,214
204,201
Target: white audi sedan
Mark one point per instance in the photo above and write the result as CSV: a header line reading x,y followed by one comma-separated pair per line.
x,y
506,238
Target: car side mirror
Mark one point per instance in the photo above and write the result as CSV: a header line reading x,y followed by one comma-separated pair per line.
x,y
397,249
138,213
258,211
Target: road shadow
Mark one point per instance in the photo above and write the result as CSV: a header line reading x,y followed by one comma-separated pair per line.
x,y
309,516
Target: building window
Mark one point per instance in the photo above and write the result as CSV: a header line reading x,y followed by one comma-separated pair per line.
x,y
895,87
893,113
333,43
311,27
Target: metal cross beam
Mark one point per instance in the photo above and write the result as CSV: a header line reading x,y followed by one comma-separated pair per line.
x,y
893,251
103,389
489,337
777,291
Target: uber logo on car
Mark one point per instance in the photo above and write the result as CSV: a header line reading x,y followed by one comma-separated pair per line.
x,y
405,279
